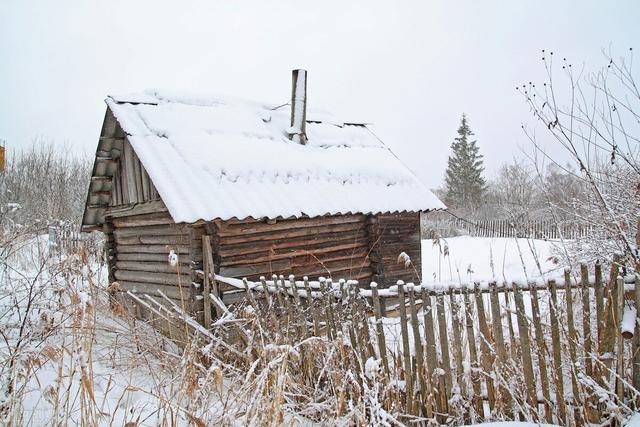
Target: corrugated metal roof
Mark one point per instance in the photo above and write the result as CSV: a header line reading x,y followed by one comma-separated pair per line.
x,y
220,157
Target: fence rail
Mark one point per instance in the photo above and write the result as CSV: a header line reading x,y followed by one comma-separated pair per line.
x,y
554,352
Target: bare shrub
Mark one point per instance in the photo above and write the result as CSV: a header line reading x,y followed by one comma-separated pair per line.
x,y
44,183
593,117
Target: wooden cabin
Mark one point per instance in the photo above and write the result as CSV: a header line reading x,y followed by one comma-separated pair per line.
x,y
280,189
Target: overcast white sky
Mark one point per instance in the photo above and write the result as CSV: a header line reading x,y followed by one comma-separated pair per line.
x,y
411,68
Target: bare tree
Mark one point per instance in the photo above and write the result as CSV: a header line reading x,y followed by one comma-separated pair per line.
x,y
595,118
515,192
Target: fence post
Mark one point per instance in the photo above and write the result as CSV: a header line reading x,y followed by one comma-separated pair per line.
x,y
542,351
408,378
473,352
586,317
328,295
430,344
382,344
444,348
572,343
557,352
457,346
417,345
312,306
265,290
487,359
607,342
300,318
525,344
498,336
599,296
276,290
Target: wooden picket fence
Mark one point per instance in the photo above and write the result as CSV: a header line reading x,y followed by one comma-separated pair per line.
x,y
67,239
539,229
556,352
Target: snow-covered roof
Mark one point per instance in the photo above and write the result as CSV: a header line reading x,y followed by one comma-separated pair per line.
x,y
221,157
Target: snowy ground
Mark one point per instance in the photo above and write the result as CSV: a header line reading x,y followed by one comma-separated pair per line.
x,y
68,358
84,362
465,259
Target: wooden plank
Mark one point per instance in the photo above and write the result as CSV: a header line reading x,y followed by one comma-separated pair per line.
x,y
153,278
154,208
408,375
327,294
152,267
424,403
444,349
196,265
314,311
207,263
153,249
178,239
289,233
382,344
299,316
227,228
599,297
361,308
609,328
487,358
130,179
146,188
110,250
541,347
151,257
473,352
430,347
572,338
457,346
137,173
142,288
556,344
151,231
500,346
525,345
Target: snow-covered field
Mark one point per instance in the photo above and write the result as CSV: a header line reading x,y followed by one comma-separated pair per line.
x,y
465,259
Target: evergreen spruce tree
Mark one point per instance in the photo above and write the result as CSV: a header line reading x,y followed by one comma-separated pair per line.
x,y
465,186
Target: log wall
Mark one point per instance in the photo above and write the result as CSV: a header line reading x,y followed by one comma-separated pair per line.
x,y
334,246
139,259
392,234
357,247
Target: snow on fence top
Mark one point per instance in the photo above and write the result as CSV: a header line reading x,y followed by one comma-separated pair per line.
x,y
221,157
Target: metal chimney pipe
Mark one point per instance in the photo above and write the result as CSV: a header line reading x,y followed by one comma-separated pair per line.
x,y
297,131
